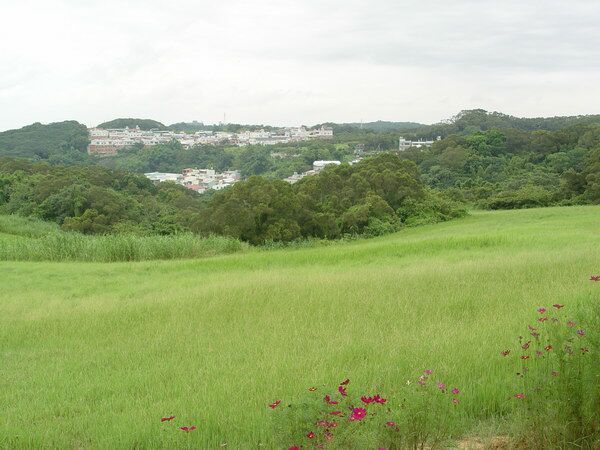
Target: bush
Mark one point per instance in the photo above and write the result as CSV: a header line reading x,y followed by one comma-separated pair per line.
x,y
526,197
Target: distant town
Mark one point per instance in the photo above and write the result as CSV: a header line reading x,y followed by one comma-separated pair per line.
x,y
109,141
106,142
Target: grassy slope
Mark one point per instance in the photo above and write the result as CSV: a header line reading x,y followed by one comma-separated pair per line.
x,y
93,354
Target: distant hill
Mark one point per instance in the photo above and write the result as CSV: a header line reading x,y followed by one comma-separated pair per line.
x,y
473,120
144,124
60,142
189,127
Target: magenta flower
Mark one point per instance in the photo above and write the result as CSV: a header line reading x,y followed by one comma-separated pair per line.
x,y
345,382
329,401
541,310
455,391
310,435
595,278
520,396
342,390
367,400
335,413
188,429
275,404
379,399
428,372
295,447
558,306
358,414
167,419
542,319
580,332
441,387
391,424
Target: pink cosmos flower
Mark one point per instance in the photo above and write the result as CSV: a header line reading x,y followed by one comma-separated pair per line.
x,y
455,391
275,404
310,435
342,390
558,306
379,399
358,414
441,387
345,382
367,400
520,396
188,429
428,372
595,278
294,448
335,413
580,332
167,419
541,310
391,424
329,401
542,319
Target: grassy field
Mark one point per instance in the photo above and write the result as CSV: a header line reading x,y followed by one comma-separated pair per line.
x,y
28,239
92,355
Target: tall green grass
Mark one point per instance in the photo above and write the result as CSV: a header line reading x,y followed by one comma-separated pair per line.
x,y
24,239
93,355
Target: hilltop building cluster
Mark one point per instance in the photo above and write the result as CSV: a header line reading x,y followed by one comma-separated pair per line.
x,y
109,141
199,180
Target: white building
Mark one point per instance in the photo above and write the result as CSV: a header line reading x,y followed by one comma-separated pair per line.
x,y
320,165
403,144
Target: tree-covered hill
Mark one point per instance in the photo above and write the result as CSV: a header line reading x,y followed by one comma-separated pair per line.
x,y
144,124
60,142
471,121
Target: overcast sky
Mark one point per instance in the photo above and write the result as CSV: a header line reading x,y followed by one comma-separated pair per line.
x,y
295,62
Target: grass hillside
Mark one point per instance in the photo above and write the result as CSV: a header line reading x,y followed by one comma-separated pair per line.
x,y
93,355
30,239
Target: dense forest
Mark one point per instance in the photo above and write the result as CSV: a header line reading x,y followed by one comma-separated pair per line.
x,y
378,195
58,143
